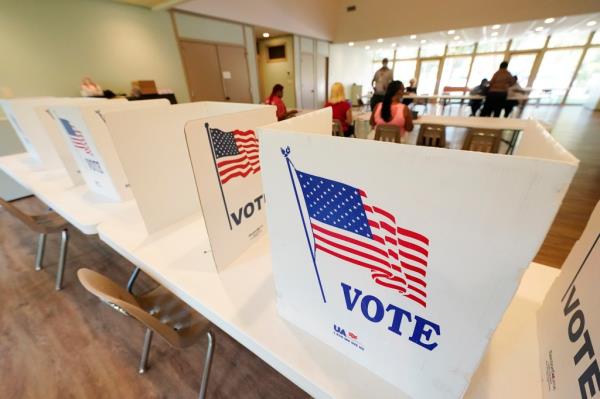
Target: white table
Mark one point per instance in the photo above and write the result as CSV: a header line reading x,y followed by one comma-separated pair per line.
x,y
241,301
83,208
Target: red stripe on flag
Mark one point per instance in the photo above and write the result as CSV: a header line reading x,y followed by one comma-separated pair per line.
x,y
415,269
414,247
412,257
414,235
348,239
353,251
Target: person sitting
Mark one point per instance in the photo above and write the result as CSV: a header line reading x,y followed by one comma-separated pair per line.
x,y
479,90
341,108
90,89
513,91
276,99
498,91
392,111
412,88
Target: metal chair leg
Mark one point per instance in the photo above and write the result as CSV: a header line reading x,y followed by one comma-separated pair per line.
x,y
210,348
40,251
62,259
145,351
132,278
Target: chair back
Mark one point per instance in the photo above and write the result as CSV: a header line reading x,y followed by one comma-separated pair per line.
x,y
336,128
119,299
387,132
431,135
483,140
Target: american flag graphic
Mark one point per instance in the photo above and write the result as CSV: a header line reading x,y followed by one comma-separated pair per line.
x,y
76,137
346,226
236,153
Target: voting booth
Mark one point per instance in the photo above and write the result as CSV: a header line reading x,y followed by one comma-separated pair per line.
x,y
569,322
90,144
401,257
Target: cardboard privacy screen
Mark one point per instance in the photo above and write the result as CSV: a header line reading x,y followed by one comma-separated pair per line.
x,y
404,258
224,155
91,146
569,322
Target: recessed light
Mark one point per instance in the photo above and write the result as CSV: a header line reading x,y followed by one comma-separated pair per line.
x,y
494,34
423,41
266,34
413,36
591,23
456,37
451,31
394,44
380,40
367,47
350,44
539,29
549,20
496,26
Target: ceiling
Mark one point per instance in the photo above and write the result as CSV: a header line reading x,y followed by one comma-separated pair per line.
x,y
570,24
259,30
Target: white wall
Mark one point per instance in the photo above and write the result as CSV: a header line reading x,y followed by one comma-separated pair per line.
x,y
281,72
350,65
313,18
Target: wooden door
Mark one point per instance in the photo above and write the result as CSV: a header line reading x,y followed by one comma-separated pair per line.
x,y
234,73
201,64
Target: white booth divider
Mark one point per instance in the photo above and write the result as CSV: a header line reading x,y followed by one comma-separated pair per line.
x,y
91,146
404,258
318,122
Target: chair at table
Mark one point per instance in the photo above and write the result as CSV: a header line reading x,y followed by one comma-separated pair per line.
x,y
431,135
483,140
387,132
336,128
159,311
44,224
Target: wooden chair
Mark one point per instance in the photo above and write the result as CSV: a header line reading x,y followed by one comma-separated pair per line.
x,y
483,140
387,132
44,224
336,128
431,135
159,310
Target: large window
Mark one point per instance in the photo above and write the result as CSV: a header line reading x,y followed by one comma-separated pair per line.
x,y
588,72
484,67
460,48
528,42
455,72
406,52
382,53
405,70
432,50
571,38
521,65
491,46
596,38
555,73
428,76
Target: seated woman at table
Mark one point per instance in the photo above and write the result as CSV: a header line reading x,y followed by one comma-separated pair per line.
x,y
276,99
411,89
341,108
480,90
513,91
392,111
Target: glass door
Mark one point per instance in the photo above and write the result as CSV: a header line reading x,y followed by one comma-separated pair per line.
x,y
428,73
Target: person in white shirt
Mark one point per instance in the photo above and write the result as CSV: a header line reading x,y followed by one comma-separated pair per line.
x,y
380,82
513,91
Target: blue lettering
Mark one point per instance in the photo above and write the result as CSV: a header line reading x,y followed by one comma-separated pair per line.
x,y
350,303
364,306
398,314
424,328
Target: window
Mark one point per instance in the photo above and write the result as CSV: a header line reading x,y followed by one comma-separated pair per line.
x,y
572,38
405,71
587,74
484,67
520,65
491,46
596,38
555,73
528,42
406,52
428,76
381,53
455,72
460,48
432,50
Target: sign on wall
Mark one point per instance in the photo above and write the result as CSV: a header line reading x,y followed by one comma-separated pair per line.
x,y
403,258
224,155
569,322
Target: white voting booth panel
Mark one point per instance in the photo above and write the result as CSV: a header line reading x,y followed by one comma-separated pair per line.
x,y
91,145
404,258
569,322
224,154
317,122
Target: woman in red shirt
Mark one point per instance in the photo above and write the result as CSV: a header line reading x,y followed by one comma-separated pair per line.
x,y
276,99
341,108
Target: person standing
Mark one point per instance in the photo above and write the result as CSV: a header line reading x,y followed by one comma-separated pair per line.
x,y
380,82
480,90
498,91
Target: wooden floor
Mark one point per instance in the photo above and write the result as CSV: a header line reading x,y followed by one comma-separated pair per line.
x,y
69,345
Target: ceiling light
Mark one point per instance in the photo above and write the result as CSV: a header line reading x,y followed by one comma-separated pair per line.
x,y
413,36
367,47
380,40
539,29
456,37
266,34
451,31
394,44
496,26
423,41
494,34
350,44
549,20
591,23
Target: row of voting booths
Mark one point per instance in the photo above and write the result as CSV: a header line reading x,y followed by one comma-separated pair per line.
x,y
402,258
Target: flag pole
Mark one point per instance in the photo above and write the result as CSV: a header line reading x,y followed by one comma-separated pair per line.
x,y
286,154
214,156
